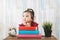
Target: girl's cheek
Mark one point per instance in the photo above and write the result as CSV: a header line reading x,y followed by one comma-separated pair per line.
x,y
22,18
28,19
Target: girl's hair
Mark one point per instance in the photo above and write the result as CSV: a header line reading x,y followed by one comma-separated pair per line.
x,y
31,12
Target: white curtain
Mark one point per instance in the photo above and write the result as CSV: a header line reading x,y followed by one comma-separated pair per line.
x,y
45,10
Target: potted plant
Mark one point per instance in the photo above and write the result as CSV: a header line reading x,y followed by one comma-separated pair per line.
x,y
47,26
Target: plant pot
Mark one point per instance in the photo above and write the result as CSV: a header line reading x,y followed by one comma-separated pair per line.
x,y
48,33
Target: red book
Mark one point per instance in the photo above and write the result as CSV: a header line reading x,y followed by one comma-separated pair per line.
x,y
29,36
27,28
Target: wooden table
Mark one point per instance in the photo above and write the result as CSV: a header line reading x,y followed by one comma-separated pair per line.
x,y
43,38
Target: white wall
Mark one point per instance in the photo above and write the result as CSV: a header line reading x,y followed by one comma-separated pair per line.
x,y
1,19
58,20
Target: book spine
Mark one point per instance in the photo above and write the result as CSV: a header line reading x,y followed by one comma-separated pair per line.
x,y
27,28
28,32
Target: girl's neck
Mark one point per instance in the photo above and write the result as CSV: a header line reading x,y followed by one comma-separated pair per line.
x,y
28,24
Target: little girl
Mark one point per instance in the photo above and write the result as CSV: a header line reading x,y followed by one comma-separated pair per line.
x,y
28,18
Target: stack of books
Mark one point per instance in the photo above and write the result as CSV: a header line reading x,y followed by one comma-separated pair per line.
x,y
28,32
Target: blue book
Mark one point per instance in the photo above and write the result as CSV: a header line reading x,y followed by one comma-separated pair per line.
x,y
28,32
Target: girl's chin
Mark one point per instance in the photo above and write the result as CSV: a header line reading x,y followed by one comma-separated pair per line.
x,y
27,21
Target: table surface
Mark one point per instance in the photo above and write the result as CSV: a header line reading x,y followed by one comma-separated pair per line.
x,y
42,38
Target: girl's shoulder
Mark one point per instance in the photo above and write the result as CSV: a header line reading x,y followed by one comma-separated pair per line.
x,y
34,24
21,24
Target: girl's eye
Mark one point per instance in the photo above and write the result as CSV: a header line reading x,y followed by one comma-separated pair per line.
x,y
26,16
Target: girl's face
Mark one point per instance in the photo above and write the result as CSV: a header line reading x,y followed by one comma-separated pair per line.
x,y
27,17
